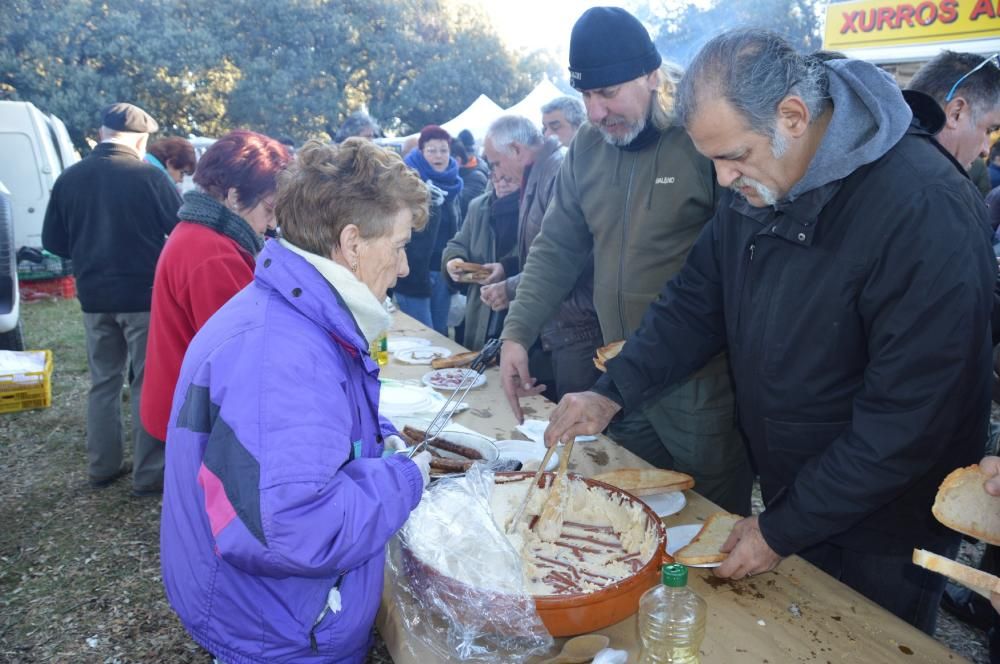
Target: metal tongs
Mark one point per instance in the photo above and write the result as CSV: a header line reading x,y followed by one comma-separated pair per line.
x,y
486,357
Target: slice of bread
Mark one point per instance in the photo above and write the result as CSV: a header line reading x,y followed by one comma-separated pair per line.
x,y
646,481
962,504
974,579
704,548
605,353
471,272
456,360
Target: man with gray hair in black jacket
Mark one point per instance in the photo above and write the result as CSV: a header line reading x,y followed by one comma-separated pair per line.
x,y
849,274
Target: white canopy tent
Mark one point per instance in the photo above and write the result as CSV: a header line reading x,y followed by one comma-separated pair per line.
x,y
483,111
476,118
531,106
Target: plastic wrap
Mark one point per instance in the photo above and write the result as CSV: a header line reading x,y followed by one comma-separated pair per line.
x,y
456,580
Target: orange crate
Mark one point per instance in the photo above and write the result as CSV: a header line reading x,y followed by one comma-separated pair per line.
x,y
43,289
16,395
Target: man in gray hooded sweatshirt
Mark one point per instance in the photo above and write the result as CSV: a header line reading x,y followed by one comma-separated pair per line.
x,y
849,275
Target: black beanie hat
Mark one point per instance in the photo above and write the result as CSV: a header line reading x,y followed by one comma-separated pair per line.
x,y
609,46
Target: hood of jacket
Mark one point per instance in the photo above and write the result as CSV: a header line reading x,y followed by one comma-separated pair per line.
x,y
869,116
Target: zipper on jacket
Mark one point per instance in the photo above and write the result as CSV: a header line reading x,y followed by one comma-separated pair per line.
x,y
332,600
621,253
744,284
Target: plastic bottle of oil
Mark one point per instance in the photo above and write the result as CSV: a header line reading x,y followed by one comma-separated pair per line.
x,y
671,620
379,350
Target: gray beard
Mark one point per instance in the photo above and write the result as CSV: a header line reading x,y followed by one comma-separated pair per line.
x,y
766,194
621,141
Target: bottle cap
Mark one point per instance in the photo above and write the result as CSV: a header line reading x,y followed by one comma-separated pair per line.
x,y
675,575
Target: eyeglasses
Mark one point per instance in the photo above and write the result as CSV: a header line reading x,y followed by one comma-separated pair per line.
x,y
993,58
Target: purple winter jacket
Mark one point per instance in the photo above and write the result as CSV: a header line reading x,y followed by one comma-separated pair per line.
x,y
275,491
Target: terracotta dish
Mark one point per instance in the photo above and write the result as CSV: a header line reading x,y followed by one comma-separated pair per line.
x,y
564,615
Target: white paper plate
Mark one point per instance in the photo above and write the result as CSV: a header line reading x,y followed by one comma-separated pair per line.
x,y
450,379
395,344
421,354
404,400
528,452
665,504
535,430
681,536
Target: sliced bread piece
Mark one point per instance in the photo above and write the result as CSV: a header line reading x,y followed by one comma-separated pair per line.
x,y
704,548
605,353
646,481
962,504
974,579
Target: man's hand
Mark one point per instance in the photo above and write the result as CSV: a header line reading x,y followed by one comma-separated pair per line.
x,y
452,268
991,466
515,377
497,274
749,553
579,414
495,296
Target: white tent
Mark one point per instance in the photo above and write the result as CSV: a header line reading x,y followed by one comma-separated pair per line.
x,y
531,106
476,118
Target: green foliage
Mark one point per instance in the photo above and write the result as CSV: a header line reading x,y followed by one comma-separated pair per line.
x,y
684,28
283,67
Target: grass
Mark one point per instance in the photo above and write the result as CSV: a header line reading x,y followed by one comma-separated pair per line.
x,y
79,569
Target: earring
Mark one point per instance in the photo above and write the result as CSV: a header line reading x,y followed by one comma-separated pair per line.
x,y
354,267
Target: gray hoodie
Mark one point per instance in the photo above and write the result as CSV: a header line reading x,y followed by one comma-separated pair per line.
x,y
869,117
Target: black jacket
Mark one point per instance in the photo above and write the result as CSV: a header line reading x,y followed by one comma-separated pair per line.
x,y
111,214
857,321
423,252
475,180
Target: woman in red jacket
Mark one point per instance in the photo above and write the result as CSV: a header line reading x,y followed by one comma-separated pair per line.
x,y
209,256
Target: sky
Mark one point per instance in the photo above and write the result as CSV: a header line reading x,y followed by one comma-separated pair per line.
x,y
537,24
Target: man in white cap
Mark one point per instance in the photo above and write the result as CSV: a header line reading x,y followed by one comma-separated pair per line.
x,y
634,191
110,214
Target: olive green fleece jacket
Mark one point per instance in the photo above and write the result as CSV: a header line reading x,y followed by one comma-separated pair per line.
x,y
476,241
639,212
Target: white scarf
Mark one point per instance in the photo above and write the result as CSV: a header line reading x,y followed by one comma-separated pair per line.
x,y
369,313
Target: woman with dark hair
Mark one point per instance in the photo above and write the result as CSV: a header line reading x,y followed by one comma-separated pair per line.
x,y
174,156
424,294
279,500
209,256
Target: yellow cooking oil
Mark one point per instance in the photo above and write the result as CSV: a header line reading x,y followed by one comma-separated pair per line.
x,y
671,620
379,349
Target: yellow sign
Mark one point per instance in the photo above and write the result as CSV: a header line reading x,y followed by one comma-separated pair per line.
x,y
881,23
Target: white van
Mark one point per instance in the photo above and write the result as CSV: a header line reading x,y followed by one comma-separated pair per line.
x,y
11,337
36,148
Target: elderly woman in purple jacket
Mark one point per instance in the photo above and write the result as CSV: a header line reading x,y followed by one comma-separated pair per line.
x,y
278,497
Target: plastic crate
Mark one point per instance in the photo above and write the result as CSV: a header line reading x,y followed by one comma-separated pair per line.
x,y
15,396
49,267
46,289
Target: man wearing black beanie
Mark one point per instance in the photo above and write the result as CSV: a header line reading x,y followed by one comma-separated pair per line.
x,y
633,190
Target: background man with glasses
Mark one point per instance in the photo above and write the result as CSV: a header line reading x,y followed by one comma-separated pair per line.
x,y
967,86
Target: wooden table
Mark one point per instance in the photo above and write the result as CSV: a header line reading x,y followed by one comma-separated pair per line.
x,y
795,614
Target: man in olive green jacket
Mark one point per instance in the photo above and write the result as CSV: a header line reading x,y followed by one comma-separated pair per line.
x,y
633,190
488,237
